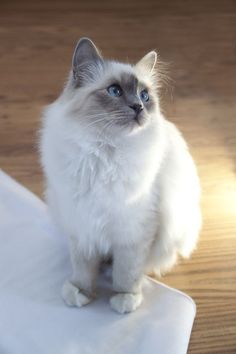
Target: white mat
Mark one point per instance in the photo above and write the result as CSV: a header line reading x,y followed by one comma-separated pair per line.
x,y
34,263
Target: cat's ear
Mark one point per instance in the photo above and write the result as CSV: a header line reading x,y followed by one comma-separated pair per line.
x,y
85,59
148,62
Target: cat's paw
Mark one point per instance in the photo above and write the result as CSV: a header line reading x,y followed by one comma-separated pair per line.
x,y
126,302
73,296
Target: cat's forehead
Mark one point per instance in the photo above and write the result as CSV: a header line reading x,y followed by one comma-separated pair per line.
x,y
128,81
125,75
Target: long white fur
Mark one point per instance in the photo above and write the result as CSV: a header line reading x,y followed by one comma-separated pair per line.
x,y
134,196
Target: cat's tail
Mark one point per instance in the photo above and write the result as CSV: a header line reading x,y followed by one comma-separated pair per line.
x,y
170,244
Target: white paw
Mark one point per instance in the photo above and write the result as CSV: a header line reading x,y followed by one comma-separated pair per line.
x,y
126,302
73,296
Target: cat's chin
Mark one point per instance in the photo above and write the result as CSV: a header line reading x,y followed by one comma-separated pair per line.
x,y
136,123
130,128
140,121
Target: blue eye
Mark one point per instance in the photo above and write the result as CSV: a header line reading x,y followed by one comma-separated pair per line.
x,y
144,96
114,90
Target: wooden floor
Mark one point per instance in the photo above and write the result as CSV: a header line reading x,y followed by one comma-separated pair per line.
x,y
198,39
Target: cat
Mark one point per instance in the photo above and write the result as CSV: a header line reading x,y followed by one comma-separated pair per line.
x,y
120,180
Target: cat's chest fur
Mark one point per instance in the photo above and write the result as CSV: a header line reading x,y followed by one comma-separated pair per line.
x,y
108,188
99,165
106,172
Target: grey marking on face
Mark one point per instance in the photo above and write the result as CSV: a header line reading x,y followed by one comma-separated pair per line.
x,y
129,83
124,108
131,89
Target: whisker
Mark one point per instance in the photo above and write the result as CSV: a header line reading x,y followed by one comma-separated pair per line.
x,y
115,114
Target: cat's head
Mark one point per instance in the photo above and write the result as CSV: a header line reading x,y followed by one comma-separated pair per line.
x,y
106,95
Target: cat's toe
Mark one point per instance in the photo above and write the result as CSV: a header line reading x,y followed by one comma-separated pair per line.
x,y
73,296
126,302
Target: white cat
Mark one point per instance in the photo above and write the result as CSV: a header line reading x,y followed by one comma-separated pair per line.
x,y
120,179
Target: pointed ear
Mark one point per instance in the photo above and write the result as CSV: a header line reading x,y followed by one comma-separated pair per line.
x,y
148,62
85,58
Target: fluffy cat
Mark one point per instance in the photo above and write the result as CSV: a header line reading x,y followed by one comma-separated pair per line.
x,y
120,180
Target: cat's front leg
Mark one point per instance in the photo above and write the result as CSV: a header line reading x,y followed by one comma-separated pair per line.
x,y
127,275
79,289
